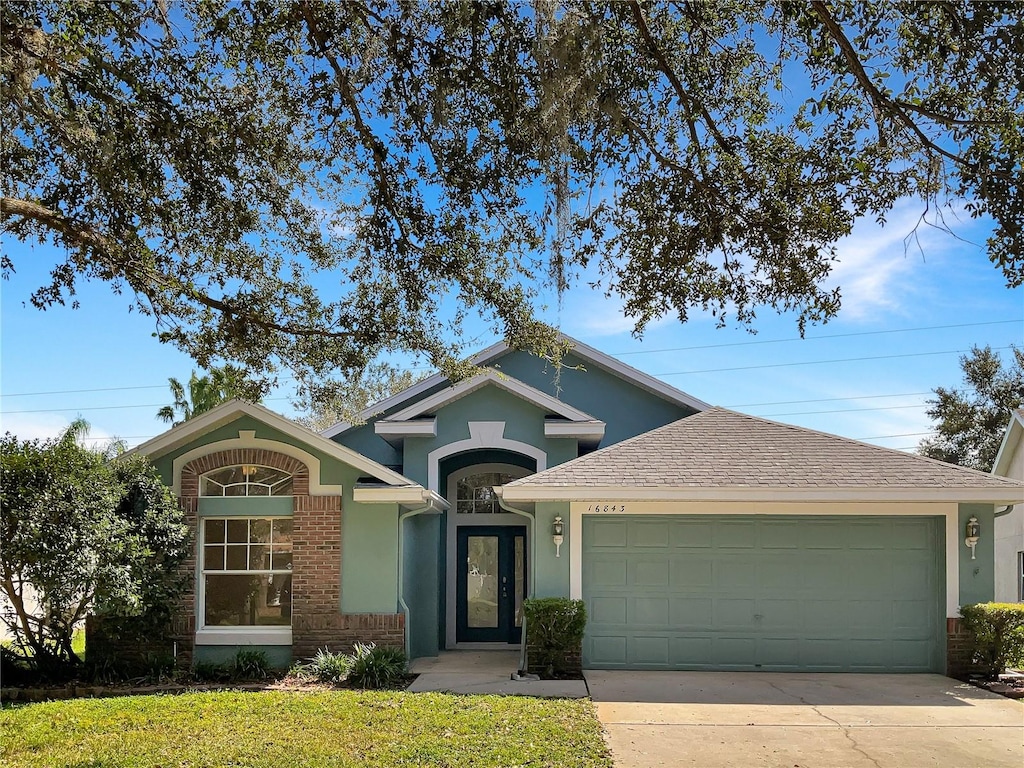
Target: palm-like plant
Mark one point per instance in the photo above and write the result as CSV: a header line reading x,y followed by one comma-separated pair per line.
x,y
204,393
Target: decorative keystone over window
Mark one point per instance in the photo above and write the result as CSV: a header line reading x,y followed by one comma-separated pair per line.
x,y
246,480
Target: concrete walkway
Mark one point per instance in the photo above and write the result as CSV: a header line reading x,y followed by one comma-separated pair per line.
x,y
722,719
484,672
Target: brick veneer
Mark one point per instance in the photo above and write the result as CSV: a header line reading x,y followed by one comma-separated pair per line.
x,y
959,650
317,621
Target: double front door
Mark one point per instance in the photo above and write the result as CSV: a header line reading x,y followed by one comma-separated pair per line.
x,y
490,583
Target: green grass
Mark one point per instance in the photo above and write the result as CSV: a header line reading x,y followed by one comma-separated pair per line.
x,y
312,729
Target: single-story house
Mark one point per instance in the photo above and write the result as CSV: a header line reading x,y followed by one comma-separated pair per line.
x,y
698,537
1009,526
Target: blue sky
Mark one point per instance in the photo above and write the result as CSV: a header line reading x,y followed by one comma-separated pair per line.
x,y
908,312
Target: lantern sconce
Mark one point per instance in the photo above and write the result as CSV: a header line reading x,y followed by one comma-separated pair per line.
x,y
557,529
973,531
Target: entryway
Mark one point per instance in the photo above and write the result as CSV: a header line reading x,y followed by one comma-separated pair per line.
x,y
490,583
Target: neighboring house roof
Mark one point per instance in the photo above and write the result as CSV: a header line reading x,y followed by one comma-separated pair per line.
x,y
1011,440
225,413
490,355
720,454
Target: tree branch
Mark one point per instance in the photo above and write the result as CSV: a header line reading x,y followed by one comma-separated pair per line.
x,y
112,257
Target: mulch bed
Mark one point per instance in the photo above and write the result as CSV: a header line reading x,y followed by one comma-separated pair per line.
x,y
1010,686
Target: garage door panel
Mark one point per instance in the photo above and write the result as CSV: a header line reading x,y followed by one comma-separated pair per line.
x,y
691,612
734,535
650,650
778,614
646,535
734,613
691,535
708,593
608,533
734,574
608,610
780,535
605,571
653,611
691,573
649,573
911,534
821,534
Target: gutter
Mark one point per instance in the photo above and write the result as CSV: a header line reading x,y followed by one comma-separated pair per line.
x,y
435,505
498,491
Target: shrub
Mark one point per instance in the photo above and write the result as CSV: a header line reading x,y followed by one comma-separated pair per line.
x,y
554,633
210,672
997,632
325,667
374,667
250,664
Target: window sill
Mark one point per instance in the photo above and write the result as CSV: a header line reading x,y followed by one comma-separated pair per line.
x,y
244,636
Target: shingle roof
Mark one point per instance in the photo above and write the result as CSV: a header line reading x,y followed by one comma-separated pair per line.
x,y
718,448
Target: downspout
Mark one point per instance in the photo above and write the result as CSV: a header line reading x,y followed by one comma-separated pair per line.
x,y
1006,511
533,567
430,507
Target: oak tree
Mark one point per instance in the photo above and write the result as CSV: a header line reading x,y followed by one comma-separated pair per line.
x,y
306,185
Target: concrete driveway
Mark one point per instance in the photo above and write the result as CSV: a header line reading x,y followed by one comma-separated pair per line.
x,y
719,719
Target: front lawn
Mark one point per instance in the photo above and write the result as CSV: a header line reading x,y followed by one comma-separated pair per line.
x,y
324,728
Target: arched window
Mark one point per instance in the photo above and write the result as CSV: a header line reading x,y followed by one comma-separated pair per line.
x,y
474,494
246,480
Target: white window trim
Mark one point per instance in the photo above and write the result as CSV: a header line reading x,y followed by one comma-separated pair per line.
x,y
218,635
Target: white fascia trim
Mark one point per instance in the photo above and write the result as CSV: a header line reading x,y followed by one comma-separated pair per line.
x,y
225,413
413,495
540,399
244,636
514,494
417,428
581,430
1011,439
635,376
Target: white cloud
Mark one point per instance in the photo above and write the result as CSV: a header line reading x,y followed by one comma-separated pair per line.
x,y
878,267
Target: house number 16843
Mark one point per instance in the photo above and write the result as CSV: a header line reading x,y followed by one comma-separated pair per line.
x,y
602,508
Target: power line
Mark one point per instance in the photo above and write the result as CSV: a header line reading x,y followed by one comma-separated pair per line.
x,y
844,410
106,407
815,338
826,400
819,362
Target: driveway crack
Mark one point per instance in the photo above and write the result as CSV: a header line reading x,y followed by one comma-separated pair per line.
x,y
845,730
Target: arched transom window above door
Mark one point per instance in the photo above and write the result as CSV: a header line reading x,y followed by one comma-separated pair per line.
x,y
474,494
246,480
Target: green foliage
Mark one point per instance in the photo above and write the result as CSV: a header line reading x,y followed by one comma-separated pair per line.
x,y
250,664
377,667
325,667
554,633
83,533
212,672
970,422
206,392
306,186
323,405
997,631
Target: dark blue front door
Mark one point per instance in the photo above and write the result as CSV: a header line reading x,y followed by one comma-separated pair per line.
x,y
490,583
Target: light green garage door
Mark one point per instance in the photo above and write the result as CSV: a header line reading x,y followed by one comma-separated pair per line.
x,y
769,593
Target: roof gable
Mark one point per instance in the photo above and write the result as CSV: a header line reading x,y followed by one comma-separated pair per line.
x,y
492,354
720,453
1009,445
223,414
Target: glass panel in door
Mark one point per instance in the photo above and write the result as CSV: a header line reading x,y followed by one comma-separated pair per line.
x,y
482,582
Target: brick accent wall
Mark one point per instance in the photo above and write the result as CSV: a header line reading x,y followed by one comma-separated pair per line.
x,y
317,621
959,650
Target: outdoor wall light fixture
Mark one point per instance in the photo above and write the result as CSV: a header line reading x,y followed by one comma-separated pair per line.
x,y
973,531
557,529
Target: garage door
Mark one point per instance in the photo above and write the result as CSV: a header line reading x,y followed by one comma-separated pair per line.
x,y
764,593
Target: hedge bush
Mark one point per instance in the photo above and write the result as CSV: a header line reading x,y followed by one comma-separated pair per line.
x,y
554,634
997,632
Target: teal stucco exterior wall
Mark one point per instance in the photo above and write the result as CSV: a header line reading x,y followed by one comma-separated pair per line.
x,y
977,577
278,656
